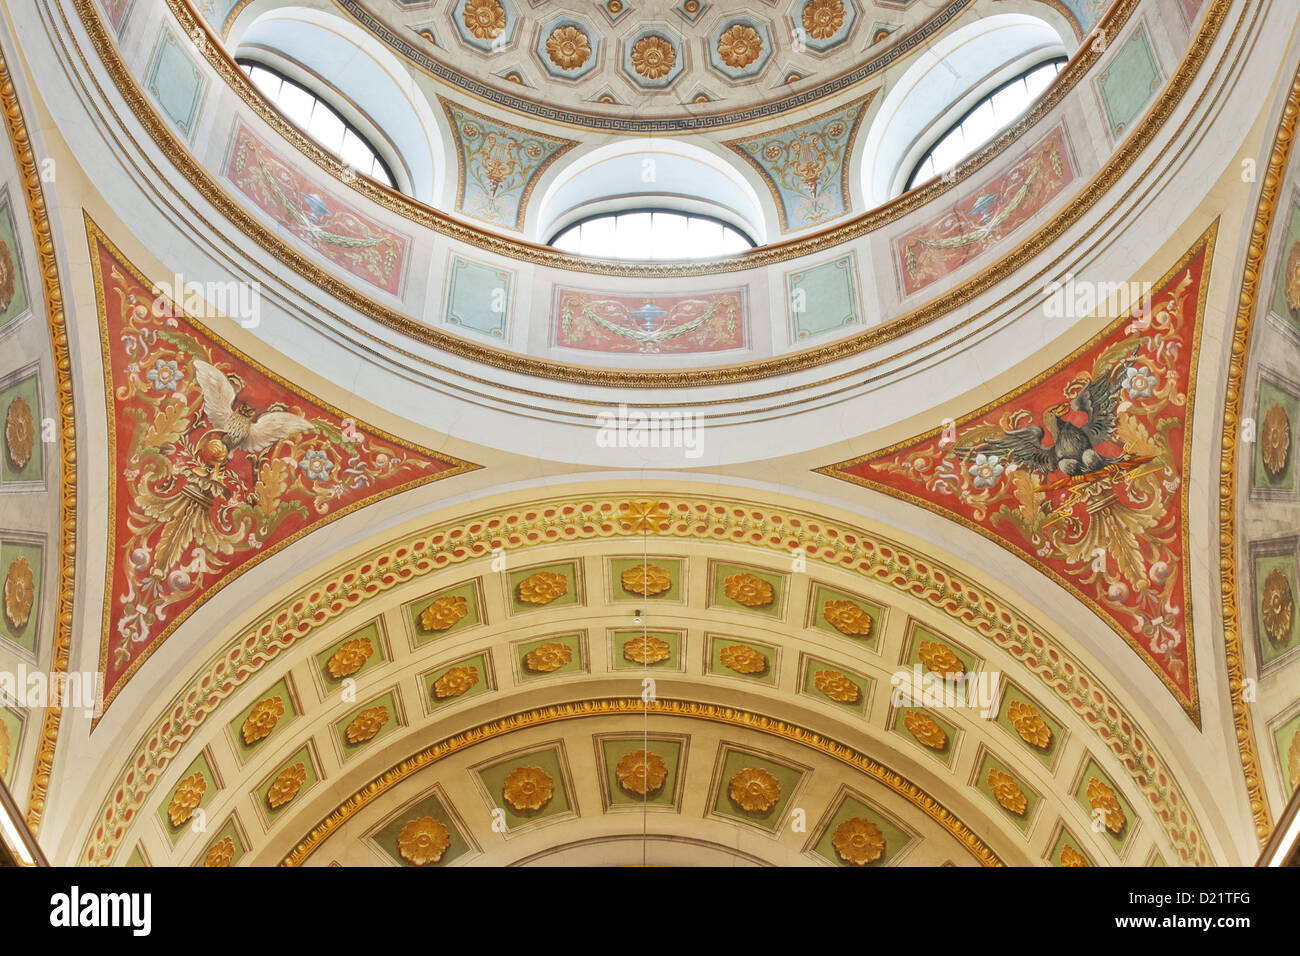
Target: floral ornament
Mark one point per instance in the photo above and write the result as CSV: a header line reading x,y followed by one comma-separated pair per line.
x,y
646,580
315,465
1293,278
1138,382
1007,793
823,18
748,590
4,751
550,656
1103,798
1278,606
165,375
20,432
1292,763
367,724
186,799
528,788
755,790
484,18
222,852
847,618
653,57
7,274
836,686
646,650
643,516
423,841
1275,441
1029,724
641,772
286,786
568,47
543,587
349,658
455,682
262,720
986,470
925,729
20,593
743,660
1072,857
940,659
739,45
858,842
444,613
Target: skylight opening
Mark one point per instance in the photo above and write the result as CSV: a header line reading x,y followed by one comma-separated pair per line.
x,y
652,234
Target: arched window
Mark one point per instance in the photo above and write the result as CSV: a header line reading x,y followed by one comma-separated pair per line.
x,y
985,120
320,121
652,234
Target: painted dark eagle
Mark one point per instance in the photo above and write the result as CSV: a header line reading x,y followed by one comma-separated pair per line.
x,y
1074,448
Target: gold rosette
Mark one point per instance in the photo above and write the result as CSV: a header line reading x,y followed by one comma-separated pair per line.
x,y
925,729
20,593
543,587
823,18
1103,798
286,786
940,659
1029,724
443,613
836,686
1293,278
754,790
550,656
1072,857
858,842
366,724
568,47
646,580
528,788
20,432
1278,607
847,618
186,799
1275,441
653,57
739,45
1007,792
349,658
646,650
262,720
748,590
743,660
484,18
641,772
222,852
423,841
455,682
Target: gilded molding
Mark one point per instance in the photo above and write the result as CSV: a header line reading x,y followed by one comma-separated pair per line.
x,y
574,519
1229,586
1124,157
43,236
618,706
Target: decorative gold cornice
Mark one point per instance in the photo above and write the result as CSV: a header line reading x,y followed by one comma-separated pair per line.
x,y
43,235
1229,583
442,223
635,706
575,519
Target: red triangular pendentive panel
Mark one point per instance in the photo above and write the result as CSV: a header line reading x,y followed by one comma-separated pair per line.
x,y
216,463
1082,472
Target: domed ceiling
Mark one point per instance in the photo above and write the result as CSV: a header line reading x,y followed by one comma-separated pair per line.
x,y
947,526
